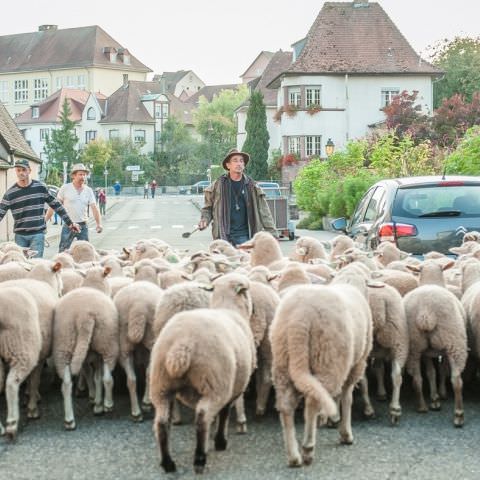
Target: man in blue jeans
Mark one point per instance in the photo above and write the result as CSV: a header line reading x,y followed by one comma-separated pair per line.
x,y
26,200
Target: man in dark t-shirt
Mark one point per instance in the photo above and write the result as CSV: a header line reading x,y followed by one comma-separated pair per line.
x,y
26,200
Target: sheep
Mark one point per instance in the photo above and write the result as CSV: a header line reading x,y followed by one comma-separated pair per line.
x,y
403,282
71,279
13,256
65,259
321,337
472,236
13,270
388,252
96,278
83,251
292,275
136,305
206,358
436,323
173,277
338,245
261,274
356,255
265,250
117,283
20,344
308,248
148,270
86,320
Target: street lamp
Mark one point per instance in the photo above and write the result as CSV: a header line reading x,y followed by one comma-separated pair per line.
x,y
329,147
105,172
65,165
90,174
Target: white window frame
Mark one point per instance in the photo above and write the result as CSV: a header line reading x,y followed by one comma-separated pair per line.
x,y
313,95
90,135
91,114
295,96
141,138
113,133
20,92
313,145
40,89
158,136
35,111
4,93
387,95
294,145
81,84
44,133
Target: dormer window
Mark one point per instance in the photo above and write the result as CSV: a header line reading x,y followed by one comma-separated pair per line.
x,y
35,112
91,114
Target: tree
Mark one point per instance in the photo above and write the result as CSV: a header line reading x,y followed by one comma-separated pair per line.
x,y
61,146
257,141
460,60
465,160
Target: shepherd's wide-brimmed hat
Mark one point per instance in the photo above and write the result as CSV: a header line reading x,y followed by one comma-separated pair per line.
x,y
79,167
231,153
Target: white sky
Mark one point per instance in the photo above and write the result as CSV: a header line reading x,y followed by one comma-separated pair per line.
x,y
218,39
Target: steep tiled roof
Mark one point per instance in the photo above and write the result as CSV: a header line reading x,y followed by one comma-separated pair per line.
x,y
170,79
66,48
51,108
357,37
209,91
264,53
12,138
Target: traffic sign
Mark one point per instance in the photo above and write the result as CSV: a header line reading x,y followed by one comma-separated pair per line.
x,y
132,168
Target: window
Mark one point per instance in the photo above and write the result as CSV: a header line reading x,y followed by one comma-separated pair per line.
x,y
387,95
158,136
294,96
115,133
91,114
35,112
294,145
161,110
40,89
139,136
312,95
81,82
374,208
44,133
90,135
20,91
4,91
313,145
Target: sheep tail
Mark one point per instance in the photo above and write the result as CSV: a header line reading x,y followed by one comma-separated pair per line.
x,y
426,322
178,360
300,373
84,337
136,328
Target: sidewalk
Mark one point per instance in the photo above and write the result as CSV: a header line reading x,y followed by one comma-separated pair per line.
x,y
54,231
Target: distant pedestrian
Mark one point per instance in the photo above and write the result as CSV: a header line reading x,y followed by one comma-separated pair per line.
x,y
102,201
145,190
97,191
26,200
153,187
117,186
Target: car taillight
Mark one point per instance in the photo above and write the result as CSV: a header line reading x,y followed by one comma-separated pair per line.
x,y
388,232
451,183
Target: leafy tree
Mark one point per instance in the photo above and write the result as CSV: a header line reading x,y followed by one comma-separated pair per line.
x,y
460,60
257,141
215,122
61,146
465,160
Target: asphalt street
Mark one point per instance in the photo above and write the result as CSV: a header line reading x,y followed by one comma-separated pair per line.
x,y
422,446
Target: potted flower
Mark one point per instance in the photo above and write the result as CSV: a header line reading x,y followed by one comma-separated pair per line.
x,y
288,160
290,109
277,117
314,108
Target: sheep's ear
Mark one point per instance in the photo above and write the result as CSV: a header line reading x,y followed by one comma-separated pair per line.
x,y
376,274
414,268
124,263
273,276
106,271
126,251
245,246
215,276
373,284
83,273
241,288
208,288
56,267
187,276
448,265
457,250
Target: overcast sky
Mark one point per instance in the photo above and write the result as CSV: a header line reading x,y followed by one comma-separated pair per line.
x,y
218,39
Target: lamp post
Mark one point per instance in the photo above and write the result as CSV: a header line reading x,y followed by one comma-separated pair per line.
x,y
329,147
65,165
105,172
90,174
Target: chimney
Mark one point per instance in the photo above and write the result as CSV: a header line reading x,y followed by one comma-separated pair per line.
x,y
125,80
45,28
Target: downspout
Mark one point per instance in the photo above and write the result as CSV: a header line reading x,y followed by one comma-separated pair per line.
x,y
347,109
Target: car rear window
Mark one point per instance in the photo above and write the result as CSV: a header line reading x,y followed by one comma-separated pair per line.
x,y
458,200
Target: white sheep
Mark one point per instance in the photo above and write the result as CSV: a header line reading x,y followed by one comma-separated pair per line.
x,y
307,249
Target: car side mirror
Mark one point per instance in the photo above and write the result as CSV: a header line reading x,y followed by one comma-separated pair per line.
x,y
339,224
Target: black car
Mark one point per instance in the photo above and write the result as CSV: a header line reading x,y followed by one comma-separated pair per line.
x,y
418,214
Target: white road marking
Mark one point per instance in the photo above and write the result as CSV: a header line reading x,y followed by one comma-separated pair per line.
x,y
177,226
133,227
112,228
155,227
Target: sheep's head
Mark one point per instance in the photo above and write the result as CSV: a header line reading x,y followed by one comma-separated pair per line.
x,y
232,291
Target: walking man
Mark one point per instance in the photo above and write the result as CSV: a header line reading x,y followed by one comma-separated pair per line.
x,y
235,204
77,198
26,200
153,187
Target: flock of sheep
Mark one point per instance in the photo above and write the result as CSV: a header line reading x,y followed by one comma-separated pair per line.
x,y
202,324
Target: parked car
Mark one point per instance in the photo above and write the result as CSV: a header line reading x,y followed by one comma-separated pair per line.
x,y
418,214
199,187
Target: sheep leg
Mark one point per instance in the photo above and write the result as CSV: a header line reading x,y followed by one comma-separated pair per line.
x,y
241,417
379,369
97,379
87,374
222,429
33,394
432,382
457,385
345,427
442,378
204,414
67,384
176,413
108,386
264,383
368,410
416,373
161,427
395,408
147,401
2,380
309,436
289,436
127,364
12,386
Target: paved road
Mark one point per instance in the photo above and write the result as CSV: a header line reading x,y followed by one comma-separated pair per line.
x,y
423,446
